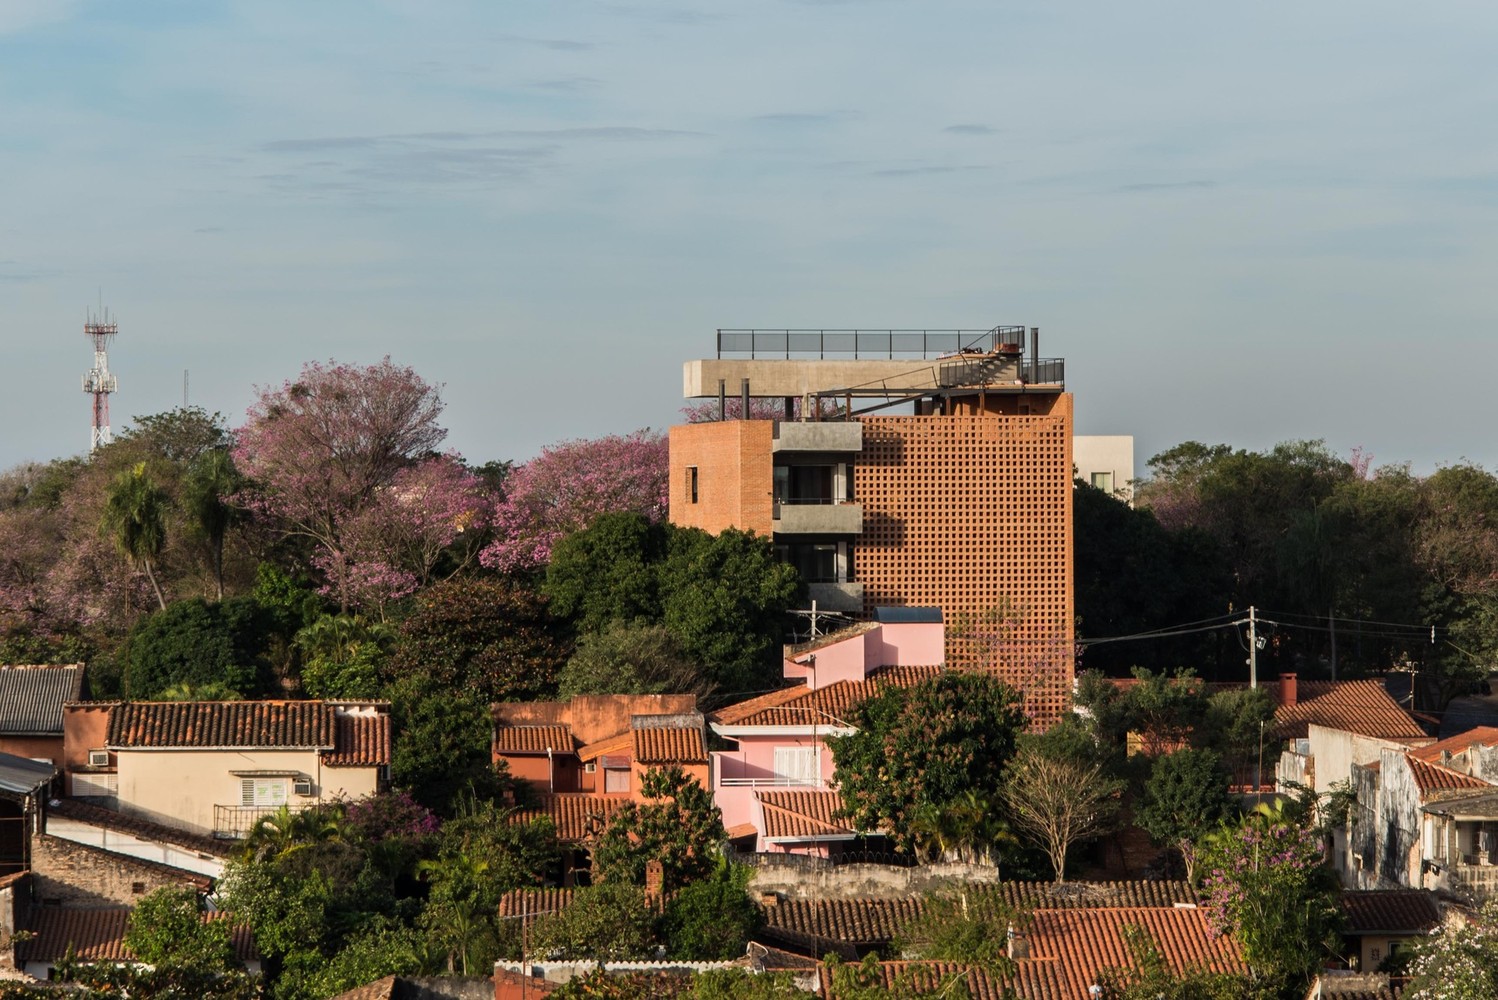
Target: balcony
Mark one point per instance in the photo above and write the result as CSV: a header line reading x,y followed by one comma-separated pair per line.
x,y
844,597
818,517
824,437
733,772
236,822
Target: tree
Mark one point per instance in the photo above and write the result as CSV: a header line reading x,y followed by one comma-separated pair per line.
x,y
380,947
276,835
1161,710
1186,796
442,745
135,518
211,481
493,638
677,824
610,921
567,486
628,658
321,449
713,918
195,643
343,656
960,927
1458,963
1149,976
927,744
1060,802
1267,883
167,928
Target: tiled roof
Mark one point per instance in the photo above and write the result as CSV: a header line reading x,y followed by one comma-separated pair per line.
x,y
798,815
670,746
31,698
1084,941
1399,911
98,935
1435,778
1361,706
824,706
109,819
1486,735
865,921
362,739
380,989
1033,979
533,739
576,815
200,724
528,904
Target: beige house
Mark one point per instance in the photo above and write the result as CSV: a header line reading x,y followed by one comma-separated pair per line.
x,y
215,767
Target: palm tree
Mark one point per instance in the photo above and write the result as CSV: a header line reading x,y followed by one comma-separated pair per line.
x,y
135,517
284,831
211,479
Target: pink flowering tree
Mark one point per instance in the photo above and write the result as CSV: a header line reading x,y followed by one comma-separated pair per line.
x,y
569,484
321,448
1268,885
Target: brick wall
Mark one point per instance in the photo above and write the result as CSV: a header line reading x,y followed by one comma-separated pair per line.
x,y
734,475
77,875
36,747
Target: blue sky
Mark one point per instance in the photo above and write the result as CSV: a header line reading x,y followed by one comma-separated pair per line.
x,y
1239,223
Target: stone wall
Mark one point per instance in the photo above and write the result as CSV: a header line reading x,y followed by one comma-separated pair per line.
x,y
849,881
72,874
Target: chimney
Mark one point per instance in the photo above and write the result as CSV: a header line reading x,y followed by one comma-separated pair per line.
x,y
655,883
1019,946
1287,691
769,899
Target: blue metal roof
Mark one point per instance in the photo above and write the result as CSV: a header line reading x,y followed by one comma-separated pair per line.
x,y
907,616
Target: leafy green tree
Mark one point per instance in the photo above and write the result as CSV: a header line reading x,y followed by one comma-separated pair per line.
x,y
167,928
962,927
610,921
442,747
927,744
631,658
1267,883
135,511
608,572
712,918
195,643
289,913
492,638
1185,797
342,656
278,834
1161,710
380,947
211,481
1237,725
677,824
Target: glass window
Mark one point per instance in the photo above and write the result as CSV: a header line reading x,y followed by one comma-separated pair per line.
x,y
1103,481
796,765
263,793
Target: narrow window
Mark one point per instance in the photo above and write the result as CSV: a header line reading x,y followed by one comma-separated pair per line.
x,y
692,483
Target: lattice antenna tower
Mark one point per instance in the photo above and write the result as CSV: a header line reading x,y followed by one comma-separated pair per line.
x,y
99,382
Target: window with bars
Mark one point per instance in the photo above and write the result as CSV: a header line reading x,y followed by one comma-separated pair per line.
x,y
264,793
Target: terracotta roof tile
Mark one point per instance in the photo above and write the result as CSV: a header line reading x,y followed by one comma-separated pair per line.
x,y
199,724
98,935
533,739
110,819
1085,941
380,989
1399,911
31,697
824,706
529,904
1486,735
1435,778
362,737
802,815
1033,979
576,815
669,746
1361,706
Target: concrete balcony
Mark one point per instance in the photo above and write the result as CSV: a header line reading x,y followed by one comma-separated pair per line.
x,y
844,597
831,436
807,518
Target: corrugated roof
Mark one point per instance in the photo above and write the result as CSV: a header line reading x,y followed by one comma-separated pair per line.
x,y
199,724
826,706
890,615
802,815
1435,778
1397,911
670,746
31,698
22,775
98,935
361,739
576,815
533,739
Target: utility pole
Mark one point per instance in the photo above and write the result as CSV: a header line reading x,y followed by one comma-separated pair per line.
x,y
1253,649
1331,623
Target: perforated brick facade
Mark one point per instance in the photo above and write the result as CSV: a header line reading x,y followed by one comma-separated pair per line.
x,y
972,514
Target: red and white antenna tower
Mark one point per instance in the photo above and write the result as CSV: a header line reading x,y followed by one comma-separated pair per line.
x,y
100,381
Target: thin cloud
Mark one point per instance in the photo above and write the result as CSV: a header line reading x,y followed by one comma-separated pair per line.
x,y
1165,186
804,118
374,142
555,44
924,171
970,129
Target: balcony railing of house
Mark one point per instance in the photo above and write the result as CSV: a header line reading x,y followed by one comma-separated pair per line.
x,y
777,781
236,822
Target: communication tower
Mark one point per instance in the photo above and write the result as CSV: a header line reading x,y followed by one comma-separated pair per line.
x,y
100,381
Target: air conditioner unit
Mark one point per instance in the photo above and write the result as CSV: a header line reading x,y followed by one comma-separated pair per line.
x,y
98,758
302,787
590,767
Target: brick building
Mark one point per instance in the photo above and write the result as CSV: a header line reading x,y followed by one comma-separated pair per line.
x,y
963,503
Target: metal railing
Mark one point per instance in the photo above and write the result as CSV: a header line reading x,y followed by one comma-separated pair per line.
x,y
887,344
974,371
777,781
236,822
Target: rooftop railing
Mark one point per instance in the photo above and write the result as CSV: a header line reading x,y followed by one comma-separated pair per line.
x,y
867,344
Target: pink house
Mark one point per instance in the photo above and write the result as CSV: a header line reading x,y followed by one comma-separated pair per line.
x,y
774,789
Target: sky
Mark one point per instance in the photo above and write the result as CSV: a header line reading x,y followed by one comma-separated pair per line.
x,y
1239,223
